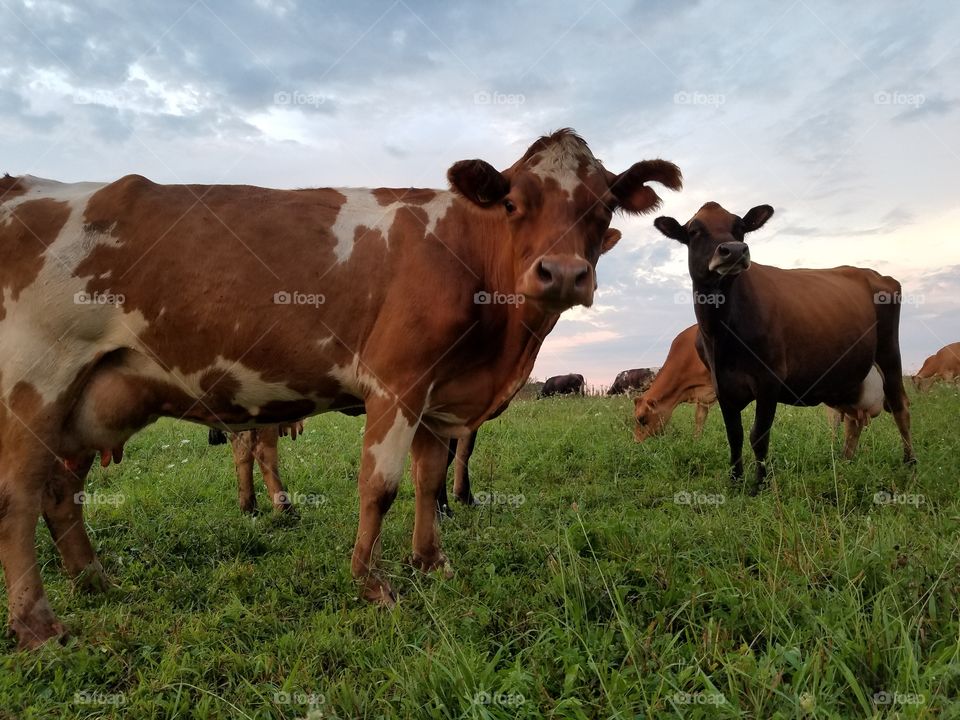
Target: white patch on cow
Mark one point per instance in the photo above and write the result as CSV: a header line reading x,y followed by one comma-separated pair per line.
x,y
362,209
561,161
47,314
356,380
871,392
389,453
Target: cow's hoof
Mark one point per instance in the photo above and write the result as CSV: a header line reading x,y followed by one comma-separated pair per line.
x,y
378,591
429,564
93,579
37,627
444,512
468,500
910,461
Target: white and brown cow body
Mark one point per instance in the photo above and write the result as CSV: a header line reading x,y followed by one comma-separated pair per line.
x,y
799,337
240,306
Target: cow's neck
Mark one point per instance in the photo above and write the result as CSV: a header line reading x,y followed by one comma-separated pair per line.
x,y
714,303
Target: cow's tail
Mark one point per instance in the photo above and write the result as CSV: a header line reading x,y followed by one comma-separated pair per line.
x,y
216,437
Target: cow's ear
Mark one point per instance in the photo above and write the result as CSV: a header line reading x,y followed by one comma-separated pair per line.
x,y
633,196
671,228
756,217
610,238
478,181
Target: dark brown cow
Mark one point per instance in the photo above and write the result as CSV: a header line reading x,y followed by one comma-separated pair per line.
x,y
571,384
259,444
683,378
799,337
240,307
944,365
638,380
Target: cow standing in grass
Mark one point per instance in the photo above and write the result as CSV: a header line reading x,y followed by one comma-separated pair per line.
x,y
636,380
572,384
943,365
799,337
240,306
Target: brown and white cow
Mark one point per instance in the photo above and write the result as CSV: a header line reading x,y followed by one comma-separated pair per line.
x,y
637,380
799,337
943,365
241,306
682,379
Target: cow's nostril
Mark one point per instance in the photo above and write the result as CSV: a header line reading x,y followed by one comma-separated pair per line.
x,y
723,251
543,272
581,277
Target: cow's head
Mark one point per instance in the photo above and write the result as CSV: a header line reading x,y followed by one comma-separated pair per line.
x,y
651,418
714,240
557,201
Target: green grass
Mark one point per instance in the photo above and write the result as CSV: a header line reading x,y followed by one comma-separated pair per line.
x,y
597,596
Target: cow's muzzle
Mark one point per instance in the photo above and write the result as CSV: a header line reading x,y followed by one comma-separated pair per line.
x,y
559,282
730,258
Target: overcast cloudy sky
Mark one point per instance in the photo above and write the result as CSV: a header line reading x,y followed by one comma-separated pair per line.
x,y
844,119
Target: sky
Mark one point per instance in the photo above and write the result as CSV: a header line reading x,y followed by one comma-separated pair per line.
x,y
842,116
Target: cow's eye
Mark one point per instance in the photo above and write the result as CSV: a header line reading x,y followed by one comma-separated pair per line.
x,y
509,206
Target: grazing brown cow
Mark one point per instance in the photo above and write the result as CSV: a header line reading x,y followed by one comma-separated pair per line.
x,y
944,365
239,307
572,384
638,379
259,444
683,378
799,337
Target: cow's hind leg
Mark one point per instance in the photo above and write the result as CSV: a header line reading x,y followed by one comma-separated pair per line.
x,y
25,466
386,442
242,445
853,425
766,411
265,450
63,513
461,471
429,478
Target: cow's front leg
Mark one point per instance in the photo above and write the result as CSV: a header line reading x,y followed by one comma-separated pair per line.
x,y
63,513
265,450
429,479
766,410
241,444
461,471
734,427
386,441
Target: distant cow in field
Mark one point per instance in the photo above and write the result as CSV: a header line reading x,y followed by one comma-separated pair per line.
x,y
637,380
943,365
368,304
683,378
799,337
572,384
261,445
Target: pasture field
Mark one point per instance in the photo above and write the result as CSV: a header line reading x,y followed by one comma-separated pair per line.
x,y
602,579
